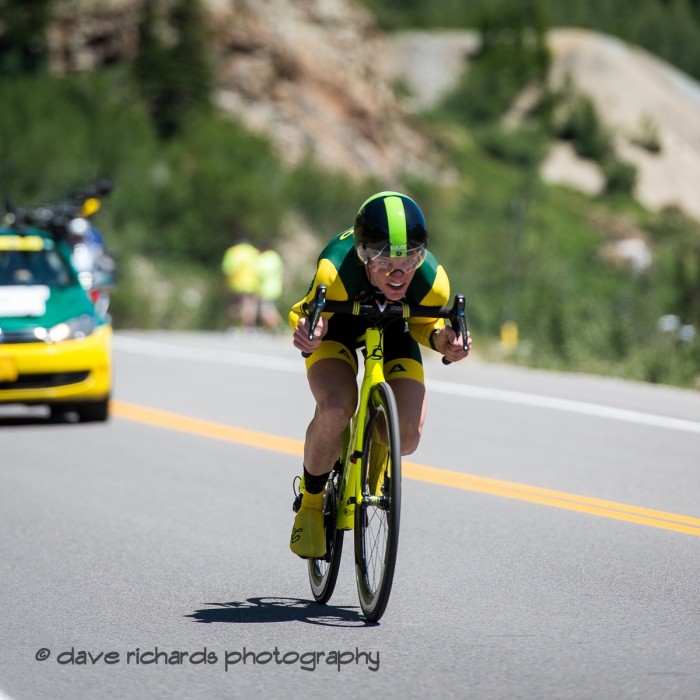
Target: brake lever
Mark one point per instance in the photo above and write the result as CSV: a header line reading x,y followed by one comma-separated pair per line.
x,y
458,321
316,306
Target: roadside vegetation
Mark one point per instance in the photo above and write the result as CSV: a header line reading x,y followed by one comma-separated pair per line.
x,y
189,182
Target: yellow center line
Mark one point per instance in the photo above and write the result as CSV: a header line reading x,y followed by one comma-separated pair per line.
x,y
419,472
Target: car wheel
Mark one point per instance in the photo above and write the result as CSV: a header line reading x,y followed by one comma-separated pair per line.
x,y
93,411
58,411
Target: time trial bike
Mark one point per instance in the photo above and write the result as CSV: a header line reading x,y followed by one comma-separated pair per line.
x,y
364,489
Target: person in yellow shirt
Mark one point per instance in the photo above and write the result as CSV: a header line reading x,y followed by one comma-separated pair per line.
x,y
240,265
271,274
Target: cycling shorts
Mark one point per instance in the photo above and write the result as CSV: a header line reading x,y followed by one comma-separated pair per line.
x,y
402,358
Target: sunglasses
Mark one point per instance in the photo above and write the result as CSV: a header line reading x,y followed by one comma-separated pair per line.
x,y
385,265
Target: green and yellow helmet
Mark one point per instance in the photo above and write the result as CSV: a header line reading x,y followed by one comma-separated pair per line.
x,y
390,224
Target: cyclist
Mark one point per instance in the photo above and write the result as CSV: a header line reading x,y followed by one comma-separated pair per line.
x,y
270,269
385,252
240,267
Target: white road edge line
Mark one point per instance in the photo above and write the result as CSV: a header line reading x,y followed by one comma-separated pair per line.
x,y
590,409
244,359
223,357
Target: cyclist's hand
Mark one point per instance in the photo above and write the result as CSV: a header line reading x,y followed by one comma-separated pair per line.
x,y
449,344
301,335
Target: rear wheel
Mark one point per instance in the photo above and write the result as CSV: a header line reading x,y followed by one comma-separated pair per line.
x,y
323,573
377,518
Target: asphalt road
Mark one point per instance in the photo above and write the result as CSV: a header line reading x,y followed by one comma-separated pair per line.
x,y
130,536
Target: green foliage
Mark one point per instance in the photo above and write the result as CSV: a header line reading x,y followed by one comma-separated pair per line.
x,y
578,121
167,294
408,14
23,45
574,310
677,242
171,67
648,135
215,184
510,58
525,146
620,176
59,134
179,202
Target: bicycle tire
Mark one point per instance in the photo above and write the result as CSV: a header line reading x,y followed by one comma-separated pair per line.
x,y
377,526
323,573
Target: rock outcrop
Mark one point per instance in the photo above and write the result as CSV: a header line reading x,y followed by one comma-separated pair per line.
x,y
629,85
312,74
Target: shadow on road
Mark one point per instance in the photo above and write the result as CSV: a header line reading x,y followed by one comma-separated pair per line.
x,y
255,610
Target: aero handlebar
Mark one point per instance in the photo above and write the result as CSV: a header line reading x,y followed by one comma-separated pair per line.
x,y
377,311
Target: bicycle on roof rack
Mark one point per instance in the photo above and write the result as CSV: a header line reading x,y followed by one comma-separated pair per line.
x,y
69,221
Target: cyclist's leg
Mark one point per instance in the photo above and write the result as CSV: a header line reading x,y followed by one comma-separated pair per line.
x,y
333,384
411,402
331,374
403,369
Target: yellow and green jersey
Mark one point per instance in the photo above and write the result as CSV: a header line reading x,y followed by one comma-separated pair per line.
x,y
271,273
343,273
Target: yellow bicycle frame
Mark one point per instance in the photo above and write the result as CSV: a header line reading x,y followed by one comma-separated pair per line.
x,y
351,489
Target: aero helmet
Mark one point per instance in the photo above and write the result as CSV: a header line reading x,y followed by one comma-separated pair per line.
x,y
390,225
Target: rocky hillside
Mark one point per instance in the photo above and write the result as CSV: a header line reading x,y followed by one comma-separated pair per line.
x,y
310,73
632,90
317,76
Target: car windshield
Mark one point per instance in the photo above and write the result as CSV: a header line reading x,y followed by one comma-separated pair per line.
x,y
45,267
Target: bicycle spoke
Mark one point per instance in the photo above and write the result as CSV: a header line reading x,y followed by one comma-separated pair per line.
x,y
324,572
376,526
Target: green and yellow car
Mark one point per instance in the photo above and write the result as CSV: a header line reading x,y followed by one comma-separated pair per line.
x,y
54,348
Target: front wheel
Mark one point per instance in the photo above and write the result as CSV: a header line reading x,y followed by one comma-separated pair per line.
x,y
377,518
323,573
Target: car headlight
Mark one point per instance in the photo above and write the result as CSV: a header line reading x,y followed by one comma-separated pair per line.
x,y
75,329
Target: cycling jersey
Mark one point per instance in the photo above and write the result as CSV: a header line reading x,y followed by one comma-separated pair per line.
x,y
343,273
271,273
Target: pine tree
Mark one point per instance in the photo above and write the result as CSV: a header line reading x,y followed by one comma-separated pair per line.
x,y
23,46
172,67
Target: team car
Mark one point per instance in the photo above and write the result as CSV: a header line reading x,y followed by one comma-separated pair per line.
x,y
55,348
